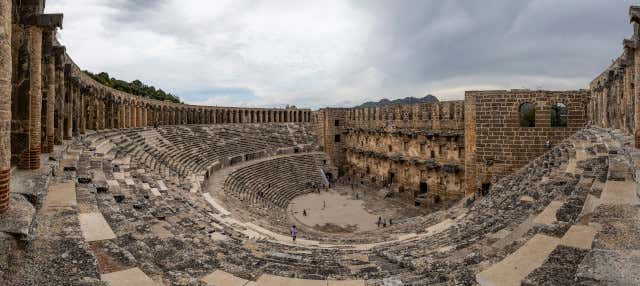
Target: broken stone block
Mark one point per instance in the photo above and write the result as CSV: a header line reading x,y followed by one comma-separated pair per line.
x,y
19,218
118,197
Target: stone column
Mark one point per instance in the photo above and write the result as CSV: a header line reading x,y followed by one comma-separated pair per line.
x,y
5,102
82,113
127,114
90,105
101,112
68,105
135,117
107,113
60,93
633,45
94,114
145,119
50,75
141,116
138,116
123,117
77,112
30,158
131,122
636,91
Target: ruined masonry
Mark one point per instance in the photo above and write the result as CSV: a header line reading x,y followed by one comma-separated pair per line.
x,y
517,187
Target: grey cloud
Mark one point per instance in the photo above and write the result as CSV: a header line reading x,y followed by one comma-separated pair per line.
x,y
570,38
387,48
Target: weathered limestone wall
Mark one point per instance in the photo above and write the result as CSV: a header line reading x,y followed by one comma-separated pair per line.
x,y
447,115
422,165
416,150
329,126
614,93
5,102
496,143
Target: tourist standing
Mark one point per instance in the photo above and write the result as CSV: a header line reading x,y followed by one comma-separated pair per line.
x,y
294,233
379,221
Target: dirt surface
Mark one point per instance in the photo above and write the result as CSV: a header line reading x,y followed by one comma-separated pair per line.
x,y
341,209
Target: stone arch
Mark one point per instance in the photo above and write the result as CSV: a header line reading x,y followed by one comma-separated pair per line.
x,y
527,114
559,115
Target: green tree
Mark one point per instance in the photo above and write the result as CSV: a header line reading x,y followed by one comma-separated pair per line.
x,y
135,87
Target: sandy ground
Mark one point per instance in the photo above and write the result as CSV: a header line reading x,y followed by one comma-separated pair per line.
x,y
333,208
344,210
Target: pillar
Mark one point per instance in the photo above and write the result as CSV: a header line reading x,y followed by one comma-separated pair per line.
x,y
108,113
60,95
141,116
123,118
633,45
68,105
5,102
50,75
91,111
30,158
136,116
101,114
130,120
77,112
82,113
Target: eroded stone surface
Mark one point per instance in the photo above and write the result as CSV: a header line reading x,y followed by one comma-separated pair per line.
x,y
95,227
19,219
129,277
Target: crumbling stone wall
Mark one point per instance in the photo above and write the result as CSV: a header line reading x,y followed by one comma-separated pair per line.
x,y
496,144
415,150
447,115
329,127
614,93
422,165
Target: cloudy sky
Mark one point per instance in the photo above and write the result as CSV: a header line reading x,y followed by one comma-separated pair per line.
x,y
341,53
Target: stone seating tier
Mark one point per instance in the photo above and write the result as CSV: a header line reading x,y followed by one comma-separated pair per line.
x,y
178,237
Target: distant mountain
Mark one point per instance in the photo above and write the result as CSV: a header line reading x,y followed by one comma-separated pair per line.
x,y
406,100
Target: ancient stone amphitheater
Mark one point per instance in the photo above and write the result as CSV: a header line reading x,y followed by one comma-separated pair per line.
x,y
518,187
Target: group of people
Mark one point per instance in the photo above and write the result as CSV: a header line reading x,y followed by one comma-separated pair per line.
x,y
383,222
315,187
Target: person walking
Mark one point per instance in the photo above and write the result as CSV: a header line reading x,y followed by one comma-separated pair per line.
x,y
294,233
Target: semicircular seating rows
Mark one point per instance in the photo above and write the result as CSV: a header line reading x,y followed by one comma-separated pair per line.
x,y
175,236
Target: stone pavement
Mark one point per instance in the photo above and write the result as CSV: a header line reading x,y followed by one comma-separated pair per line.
x,y
513,269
